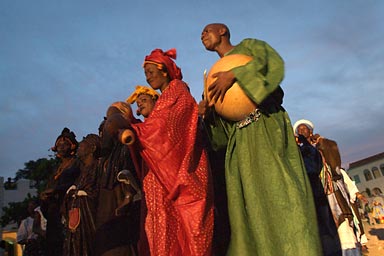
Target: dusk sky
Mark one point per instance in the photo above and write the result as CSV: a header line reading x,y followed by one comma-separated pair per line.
x,y
62,63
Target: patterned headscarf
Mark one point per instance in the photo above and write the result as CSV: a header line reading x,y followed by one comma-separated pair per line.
x,y
142,90
157,57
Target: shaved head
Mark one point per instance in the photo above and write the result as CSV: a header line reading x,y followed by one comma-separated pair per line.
x,y
216,37
220,26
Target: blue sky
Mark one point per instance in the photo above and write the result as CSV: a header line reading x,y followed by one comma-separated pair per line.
x,y
62,63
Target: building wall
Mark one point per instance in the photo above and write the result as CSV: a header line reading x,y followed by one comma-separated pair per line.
x,y
20,193
369,174
23,188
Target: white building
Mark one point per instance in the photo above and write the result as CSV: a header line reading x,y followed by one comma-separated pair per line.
x,y
17,194
368,174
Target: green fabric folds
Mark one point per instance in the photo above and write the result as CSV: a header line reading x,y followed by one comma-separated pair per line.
x,y
270,201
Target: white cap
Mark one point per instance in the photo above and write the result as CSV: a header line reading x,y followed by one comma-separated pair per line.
x,y
308,123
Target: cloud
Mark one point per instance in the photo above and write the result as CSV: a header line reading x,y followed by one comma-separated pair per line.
x,y
63,63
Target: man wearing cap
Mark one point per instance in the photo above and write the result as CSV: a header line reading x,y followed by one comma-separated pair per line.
x,y
337,216
306,141
52,197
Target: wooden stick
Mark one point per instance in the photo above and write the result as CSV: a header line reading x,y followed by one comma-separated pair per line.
x,y
205,94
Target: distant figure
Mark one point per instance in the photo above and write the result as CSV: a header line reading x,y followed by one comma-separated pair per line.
x,y
9,184
52,198
31,241
313,162
338,196
368,210
356,198
378,208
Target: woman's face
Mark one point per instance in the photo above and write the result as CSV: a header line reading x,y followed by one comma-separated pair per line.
x,y
156,78
63,147
145,103
84,150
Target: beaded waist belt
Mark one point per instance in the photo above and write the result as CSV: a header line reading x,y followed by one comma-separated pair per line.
x,y
252,117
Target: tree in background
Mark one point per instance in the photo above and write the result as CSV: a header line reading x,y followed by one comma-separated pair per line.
x,y
15,212
37,171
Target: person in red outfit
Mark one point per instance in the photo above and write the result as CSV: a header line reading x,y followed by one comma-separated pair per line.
x,y
177,183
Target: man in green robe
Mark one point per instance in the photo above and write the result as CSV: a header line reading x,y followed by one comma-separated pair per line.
x,y
270,203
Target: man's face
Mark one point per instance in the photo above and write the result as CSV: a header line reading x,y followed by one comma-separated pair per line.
x,y
210,37
304,130
145,103
31,208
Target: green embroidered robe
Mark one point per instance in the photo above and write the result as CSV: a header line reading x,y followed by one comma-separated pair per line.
x,y
271,208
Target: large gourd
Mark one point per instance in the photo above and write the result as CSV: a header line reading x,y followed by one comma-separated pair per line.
x,y
236,104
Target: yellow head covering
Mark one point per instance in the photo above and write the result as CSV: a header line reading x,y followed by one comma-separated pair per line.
x,y
140,89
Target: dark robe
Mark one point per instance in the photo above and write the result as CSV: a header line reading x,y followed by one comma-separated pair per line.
x,y
79,241
52,207
115,232
327,228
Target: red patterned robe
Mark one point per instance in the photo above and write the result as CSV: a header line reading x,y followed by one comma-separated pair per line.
x,y
177,188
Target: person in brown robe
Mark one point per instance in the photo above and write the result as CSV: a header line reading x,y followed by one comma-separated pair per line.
x,y
52,198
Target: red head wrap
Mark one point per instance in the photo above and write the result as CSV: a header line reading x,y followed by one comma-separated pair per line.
x,y
165,58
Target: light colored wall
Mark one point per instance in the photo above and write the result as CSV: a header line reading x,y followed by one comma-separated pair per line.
x,y
371,184
14,195
18,195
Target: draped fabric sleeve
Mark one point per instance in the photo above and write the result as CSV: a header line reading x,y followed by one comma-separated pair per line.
x,y
217,130
177,186
168,138
22,232
262,75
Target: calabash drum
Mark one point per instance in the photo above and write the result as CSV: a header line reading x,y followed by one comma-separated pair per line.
x,y
236,104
